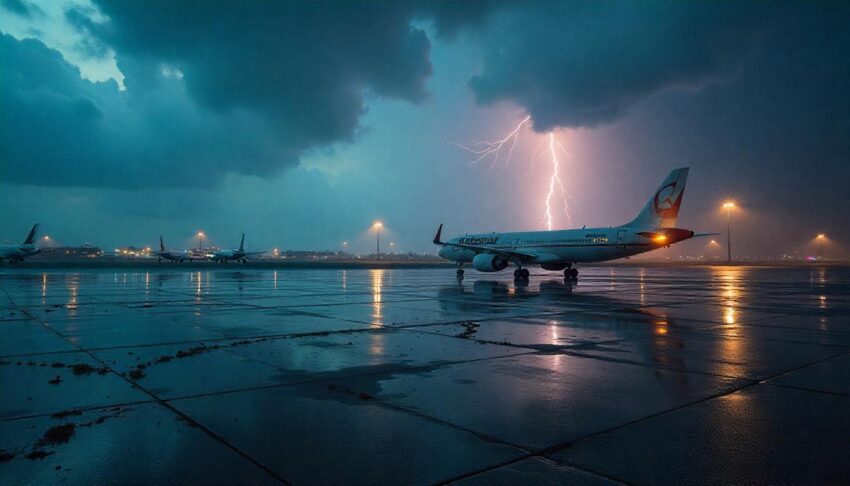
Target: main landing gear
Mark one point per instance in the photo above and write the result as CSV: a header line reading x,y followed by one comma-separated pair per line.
x,y
521,274
460,271
570,272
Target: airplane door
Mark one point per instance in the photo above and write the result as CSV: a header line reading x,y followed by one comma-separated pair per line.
x,y
621,239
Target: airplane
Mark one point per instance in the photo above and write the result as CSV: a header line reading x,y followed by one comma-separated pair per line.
x,y
178,256
17,253
223,256
653,228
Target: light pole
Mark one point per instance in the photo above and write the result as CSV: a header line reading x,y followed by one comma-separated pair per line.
x,y
345,247
728,206
201,236
392,245
820,239
378,225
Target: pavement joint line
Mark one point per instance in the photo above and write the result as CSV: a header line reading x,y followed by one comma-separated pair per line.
x,y
806,389
747,384
189,420
529,456
87,409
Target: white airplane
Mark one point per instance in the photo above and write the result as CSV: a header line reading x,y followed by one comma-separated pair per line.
x,y
17,253
178,256
559,250
223,256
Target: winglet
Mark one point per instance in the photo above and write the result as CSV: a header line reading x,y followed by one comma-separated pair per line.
x,y
437,236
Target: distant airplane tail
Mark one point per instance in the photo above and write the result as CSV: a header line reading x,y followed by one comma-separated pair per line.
x,y
31,237
663,207
242,243
161,244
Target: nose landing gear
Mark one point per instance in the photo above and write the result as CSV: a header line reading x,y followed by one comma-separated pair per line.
x,y
521,274
570,272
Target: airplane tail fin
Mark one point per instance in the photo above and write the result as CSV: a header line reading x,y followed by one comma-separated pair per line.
x,y
242,243
31,237
161,244
663,207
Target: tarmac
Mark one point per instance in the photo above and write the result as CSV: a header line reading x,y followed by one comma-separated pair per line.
x,y
640,375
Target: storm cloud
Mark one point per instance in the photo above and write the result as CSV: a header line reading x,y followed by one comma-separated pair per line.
x,y
575,64
211,88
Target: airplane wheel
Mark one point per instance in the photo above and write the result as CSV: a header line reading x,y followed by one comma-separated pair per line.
x,y
460,272
517,273
572,273
525,273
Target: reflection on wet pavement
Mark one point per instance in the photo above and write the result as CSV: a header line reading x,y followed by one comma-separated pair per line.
x,y
638,375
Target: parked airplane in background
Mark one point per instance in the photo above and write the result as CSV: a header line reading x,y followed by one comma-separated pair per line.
x,y
17,253
558,250
179,256
223,256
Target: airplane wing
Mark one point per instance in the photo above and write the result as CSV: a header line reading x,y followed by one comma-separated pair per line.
x,y
248,253
506,253
697,235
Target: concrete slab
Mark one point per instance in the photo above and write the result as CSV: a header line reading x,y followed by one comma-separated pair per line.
x,y
45,384
310,434
138,444
539,401
764,435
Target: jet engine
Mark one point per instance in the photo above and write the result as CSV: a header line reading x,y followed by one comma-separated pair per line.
x,y
553,266
486,262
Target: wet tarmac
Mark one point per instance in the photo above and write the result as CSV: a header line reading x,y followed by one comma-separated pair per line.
x,y
394,376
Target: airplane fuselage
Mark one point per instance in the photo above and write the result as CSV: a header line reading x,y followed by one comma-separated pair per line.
x,y
562,247
17,252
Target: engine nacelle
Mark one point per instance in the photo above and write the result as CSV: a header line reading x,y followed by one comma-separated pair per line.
x,y
486,262
553,266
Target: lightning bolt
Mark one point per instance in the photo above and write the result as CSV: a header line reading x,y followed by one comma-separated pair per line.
x,y
493,149
500,152
555,179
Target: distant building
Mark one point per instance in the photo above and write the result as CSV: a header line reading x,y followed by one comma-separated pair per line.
x,y
84,251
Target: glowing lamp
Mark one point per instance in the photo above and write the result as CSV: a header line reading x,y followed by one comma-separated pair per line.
x,y
728,205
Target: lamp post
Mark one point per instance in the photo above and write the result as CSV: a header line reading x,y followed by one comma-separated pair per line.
x,y
378,225
345,247
728,206
820,239
392,245
201,236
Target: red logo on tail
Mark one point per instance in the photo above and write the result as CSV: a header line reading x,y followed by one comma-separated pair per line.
x,y
665,206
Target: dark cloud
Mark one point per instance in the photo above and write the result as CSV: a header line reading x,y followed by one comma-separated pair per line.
x,y
59,129
211,87
20,7
305,66
585,63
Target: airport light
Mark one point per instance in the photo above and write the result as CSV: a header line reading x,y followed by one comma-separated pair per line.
x,y
201,236
821,238
377,225
345,247
729,206
392,244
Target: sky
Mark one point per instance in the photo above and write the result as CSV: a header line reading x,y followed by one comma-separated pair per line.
x,y
301,123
